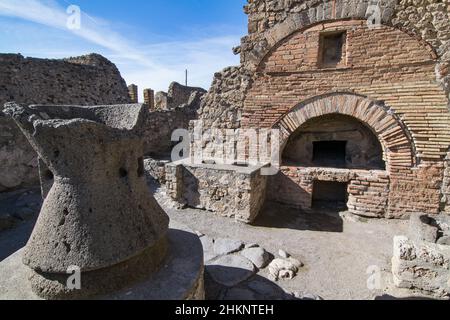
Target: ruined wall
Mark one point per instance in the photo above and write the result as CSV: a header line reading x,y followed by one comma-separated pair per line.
x,y
446,186
162,123
86,80
176,96
223,104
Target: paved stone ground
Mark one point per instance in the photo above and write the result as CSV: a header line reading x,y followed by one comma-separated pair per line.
x,y
336,252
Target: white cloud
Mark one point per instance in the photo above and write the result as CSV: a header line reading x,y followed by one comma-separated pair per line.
x,y
154,65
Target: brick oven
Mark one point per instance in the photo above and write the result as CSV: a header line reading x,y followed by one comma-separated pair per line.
x,y
358,107
359,90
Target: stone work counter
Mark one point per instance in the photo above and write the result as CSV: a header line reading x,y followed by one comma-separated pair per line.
x,y
231,191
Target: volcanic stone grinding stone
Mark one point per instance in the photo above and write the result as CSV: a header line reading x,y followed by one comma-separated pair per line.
x,y
99,213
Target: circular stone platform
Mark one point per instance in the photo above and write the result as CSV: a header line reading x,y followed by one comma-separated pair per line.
x,y
180,277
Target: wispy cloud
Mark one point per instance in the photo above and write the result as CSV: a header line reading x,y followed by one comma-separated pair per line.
x,y
152,65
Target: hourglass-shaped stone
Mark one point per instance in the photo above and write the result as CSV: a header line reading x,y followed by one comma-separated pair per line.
x,y
98,216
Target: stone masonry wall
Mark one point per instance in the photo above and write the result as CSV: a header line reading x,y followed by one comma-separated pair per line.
x,y
228,191
446,186
86,80
176,96
162,123
404,64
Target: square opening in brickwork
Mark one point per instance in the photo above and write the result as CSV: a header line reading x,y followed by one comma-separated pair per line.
x,y
332,49
330,154
330,194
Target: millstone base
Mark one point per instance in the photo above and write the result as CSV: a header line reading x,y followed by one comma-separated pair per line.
x,y
179,278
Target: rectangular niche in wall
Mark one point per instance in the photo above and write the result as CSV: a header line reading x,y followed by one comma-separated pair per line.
x,y
330,154
332,50
330,194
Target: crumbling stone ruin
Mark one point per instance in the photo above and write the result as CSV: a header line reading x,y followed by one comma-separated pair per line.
x,y
422,259
176,96
86,80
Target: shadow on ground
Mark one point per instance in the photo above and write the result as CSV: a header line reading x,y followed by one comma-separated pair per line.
x,y
18,213
255,288
387,297
275,215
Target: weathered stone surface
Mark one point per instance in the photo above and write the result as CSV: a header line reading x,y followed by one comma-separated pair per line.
x,y
181,278
227,190
283,254
265,288
422,266
208,248
98,214
178,95
284,268
86,80
163,121
258,256
227,246
230,270
156,169
421,228
306,296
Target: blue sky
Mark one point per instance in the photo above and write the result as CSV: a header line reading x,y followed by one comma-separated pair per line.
x,y
151,41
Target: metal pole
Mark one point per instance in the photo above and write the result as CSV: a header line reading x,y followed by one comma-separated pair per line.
x,y
186,78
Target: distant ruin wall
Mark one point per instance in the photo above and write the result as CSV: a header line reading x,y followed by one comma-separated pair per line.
x,y
162,123
160,126
85,80
176,96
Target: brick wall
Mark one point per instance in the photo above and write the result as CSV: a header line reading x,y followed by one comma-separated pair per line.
x,y
385,65
368,191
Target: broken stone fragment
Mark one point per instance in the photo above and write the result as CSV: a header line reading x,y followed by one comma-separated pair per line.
x,y
227,246
284,268
283,254
258,256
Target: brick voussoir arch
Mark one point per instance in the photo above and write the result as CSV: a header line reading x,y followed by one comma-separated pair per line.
x,y
301,22
387,127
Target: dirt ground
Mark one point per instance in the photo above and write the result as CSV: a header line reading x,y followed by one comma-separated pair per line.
x,y
339,254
